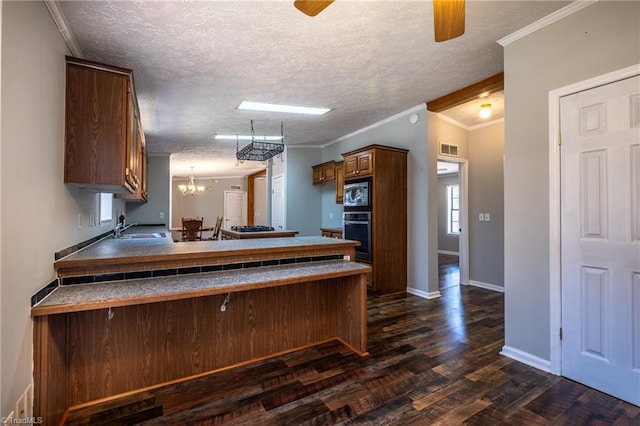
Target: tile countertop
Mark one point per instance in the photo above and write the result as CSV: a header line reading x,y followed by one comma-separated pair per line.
x,y
111,248
75,298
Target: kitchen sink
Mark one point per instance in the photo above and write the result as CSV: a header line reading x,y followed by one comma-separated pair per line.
x,y
140,236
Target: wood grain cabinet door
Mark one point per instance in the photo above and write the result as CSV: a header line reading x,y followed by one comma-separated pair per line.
x,y
339,182
101,137
365,163
95,127
324,172
358,165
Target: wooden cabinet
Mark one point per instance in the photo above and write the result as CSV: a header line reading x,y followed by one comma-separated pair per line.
x,y
331,232
339,182
138,167
358,164
140,195
102,127
330,171
387,167
324,172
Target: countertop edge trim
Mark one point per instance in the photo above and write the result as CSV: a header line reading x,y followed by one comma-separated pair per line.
x,y
156,298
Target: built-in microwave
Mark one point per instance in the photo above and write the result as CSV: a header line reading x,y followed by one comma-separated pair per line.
x,y
357,194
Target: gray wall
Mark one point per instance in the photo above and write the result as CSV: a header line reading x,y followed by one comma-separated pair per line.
x,y
486,195
422,268
158,183
208,205
303,199
601,38
49,216
446,241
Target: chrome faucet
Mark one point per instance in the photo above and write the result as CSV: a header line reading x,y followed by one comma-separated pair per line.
x,y
118,231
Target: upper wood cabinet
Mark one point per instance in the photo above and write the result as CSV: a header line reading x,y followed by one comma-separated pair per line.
x,y
102,128
140,194
324,172
358,163
339,182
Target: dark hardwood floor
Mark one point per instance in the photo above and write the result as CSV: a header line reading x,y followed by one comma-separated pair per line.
x,y
448,270
431,362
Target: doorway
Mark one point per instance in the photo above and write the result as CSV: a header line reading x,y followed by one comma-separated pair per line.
x,y
453,235
595,230
235,209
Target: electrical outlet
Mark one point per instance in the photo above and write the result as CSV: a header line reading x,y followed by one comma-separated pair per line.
x,y
161,215
487,217
347,258
481,217
330,215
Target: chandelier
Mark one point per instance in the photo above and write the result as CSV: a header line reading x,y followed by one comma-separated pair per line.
x,y
191,188
259,150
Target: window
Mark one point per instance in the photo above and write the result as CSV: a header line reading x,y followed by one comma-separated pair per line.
x,y
453,209
106,208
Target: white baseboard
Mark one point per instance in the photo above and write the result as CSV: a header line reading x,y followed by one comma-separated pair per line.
x,y
488,286
453,253
526,358
423,294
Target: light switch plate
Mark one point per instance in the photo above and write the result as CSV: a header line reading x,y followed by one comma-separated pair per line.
x,y
481,217
487,217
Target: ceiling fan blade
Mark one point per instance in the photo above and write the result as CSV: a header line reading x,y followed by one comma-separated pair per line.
x,y
448,19
311,7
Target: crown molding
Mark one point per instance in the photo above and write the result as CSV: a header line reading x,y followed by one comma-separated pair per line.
x,y
486,124
452,121
63,27
417,108
547,20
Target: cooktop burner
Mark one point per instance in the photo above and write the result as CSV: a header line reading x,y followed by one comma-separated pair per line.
x,y
254,228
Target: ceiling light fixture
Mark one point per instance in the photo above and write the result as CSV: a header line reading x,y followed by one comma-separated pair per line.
x,y
259,150
485,111
258,106
191,188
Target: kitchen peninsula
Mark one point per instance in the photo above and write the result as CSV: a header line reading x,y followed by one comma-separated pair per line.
x,y
149,312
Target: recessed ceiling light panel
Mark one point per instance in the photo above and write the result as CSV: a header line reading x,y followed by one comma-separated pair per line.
x,y
293,109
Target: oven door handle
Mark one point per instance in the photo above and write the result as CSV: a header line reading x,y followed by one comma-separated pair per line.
x,y
356,222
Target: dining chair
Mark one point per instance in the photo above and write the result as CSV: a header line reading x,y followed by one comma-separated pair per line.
x,y
192,229
216,229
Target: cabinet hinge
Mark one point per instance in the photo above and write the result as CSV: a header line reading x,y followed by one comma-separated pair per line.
x,y
560,333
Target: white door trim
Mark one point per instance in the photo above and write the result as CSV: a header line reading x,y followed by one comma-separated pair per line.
x,y
555,289
463,242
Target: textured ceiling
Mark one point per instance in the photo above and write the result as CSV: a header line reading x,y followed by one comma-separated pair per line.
x,y
194,61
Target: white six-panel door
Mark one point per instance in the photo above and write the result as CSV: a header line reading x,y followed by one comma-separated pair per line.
x,y
600,222
235,209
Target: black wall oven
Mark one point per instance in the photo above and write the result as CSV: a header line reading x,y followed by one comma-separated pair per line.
x,y
357,227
